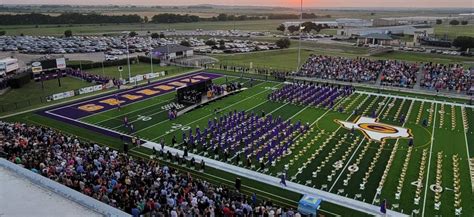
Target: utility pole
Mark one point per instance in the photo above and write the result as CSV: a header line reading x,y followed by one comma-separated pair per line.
x,y
128,61
299,41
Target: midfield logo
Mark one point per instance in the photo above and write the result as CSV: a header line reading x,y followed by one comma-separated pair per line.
x,y
376,131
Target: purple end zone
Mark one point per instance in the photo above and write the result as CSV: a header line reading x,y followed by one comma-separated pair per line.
x,y
71,113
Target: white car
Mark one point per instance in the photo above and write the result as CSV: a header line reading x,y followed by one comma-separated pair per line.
x,y
110,58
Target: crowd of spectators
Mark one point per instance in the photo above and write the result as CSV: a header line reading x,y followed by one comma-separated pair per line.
x,y
454,77
341,68
89,77
399,73
133,185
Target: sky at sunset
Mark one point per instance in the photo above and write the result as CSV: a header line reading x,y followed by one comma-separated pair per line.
x,y
283,3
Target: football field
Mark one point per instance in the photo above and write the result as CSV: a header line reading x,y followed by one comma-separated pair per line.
x,y
424,172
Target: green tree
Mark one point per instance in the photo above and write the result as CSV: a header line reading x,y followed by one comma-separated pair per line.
x,y
439,21
162,35
222,17
464,42
308,26
292,29
3,32
132,34
68,33
281,27
155,35
283,43
454,22
185,43
210,42
222,44
464,22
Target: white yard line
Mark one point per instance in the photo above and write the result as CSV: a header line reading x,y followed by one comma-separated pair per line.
x,y
467,150
429,161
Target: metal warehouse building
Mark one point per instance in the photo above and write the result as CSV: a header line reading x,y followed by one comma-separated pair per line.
x,y
394,30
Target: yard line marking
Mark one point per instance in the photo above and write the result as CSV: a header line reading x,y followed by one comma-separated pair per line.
x,y
429,161
350,159
299,112
136,120
467,148
247,98
398,140
277,108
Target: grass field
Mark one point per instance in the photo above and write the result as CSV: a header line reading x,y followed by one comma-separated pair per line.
x,y
448,131
454,31
34,93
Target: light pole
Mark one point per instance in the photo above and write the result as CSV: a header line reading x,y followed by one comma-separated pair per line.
x,y
128,60
299,41
151,59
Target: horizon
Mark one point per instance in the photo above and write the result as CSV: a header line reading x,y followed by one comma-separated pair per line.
x,y
321,4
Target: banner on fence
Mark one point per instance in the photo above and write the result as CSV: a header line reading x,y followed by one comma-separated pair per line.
x,y
90,89
63,95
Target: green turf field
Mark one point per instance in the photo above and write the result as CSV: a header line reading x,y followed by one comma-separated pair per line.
x,y
329,143
326,145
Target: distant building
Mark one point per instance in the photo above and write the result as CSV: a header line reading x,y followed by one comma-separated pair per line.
x,y
173,51
393,30
384,22
417,20
350,22
376,39
338,23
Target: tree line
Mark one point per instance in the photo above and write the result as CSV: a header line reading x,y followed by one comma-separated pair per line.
x,y
66,18
78,18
